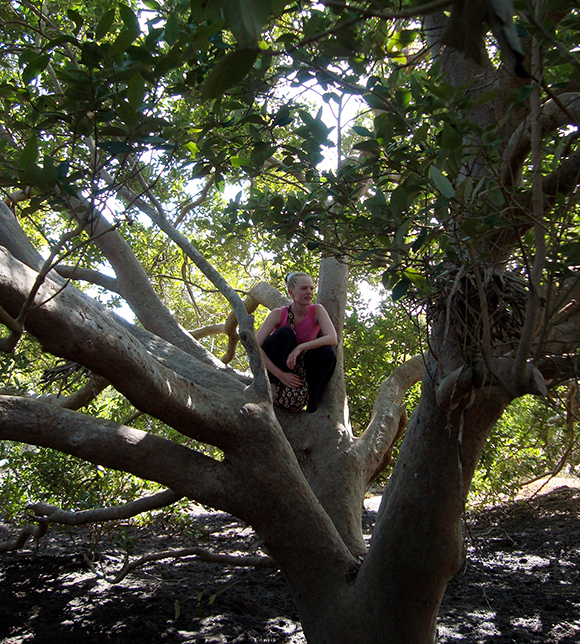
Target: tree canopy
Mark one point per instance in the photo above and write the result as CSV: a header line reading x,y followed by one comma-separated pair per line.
x,y
178,158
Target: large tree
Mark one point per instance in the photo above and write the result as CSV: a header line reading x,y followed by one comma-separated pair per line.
x,y
458,183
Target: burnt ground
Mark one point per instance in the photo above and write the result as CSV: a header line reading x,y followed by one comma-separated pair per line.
x,y
520,583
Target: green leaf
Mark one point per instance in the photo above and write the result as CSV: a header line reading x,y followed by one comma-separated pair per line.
x,y
282,117
420,241
114,147
129,18
171,31
238,162
229,71
525,92
401,288
402,39
441,182
362,131
399,201
76,17
450,139
151,4
105,24
136,91
416,278
127,113
124,40
30,151
246,18
368,146
92,54
34,68
403,98
50,171
496,197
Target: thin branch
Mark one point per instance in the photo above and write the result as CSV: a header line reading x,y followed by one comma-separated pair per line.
x,y
194,204
210,329
89,275
554,114
548,36
34,531
80,398
535,276
483,304
52,514
260,384
198,553
16,326
8,343
417,12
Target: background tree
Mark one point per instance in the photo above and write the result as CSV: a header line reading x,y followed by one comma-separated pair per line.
x,y
458,183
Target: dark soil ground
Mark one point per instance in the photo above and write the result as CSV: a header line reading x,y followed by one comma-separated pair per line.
x,y
520,583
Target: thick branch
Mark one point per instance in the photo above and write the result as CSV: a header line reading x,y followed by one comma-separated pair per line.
x,y
388,419
80,330
555,114
105,443
564,179
214,377
53,514
132,280
332,293
15,240
247,336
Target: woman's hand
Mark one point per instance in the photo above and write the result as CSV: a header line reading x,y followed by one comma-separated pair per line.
x,y
290,380
291,361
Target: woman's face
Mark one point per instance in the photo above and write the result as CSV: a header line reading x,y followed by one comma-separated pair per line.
x,y
303,291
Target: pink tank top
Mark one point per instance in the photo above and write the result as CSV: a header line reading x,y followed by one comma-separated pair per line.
x,y
307,329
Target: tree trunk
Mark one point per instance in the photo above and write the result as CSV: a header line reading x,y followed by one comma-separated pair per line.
x,y
417,543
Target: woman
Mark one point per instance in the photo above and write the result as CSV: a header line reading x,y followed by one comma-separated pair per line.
x,y
312,339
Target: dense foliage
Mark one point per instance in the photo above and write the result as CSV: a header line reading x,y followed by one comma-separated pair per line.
x,y
224,108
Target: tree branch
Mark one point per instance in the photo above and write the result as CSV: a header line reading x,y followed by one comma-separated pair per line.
x,y
78,329
132,280
53,514
260,384
535,274
80,398
89,275
554,114
34,531
198,553
102,442
389,418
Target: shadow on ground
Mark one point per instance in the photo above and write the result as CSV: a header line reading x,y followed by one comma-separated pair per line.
x,y
520,583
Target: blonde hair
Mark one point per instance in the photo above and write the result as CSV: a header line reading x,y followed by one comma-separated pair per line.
x,y
292,278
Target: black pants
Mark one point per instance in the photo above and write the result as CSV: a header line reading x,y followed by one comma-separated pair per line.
x,y
319,363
